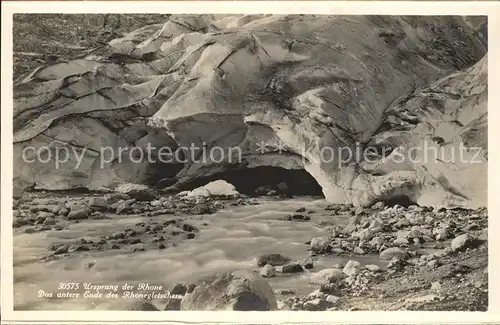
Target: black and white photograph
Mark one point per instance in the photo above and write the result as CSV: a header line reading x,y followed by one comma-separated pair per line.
x,y
249,162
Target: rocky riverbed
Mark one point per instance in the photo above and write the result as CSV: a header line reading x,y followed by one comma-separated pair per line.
x,y
313,255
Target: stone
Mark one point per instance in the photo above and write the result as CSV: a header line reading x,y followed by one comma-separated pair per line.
x,y
401,223
360,212
365,235
283,187
436,286
49,222
177,289
267,271
376,223
98,204
298,217
400,241
173,304
377,241
337,250
393,252
273,259
372,268
202,208
316,294
442,235
292,268
464,242
350,228
124,207
90,265
307,263
433,264
45,215
315,304
99,216
79,213
63,249
378,205
351,267
326,276
320,245
332,288
359,251
189,228
157,203
331,299
484,235
231,291
415,234
215,188
402,234
285,292
138,191
104,189
190,287
78,248
397,264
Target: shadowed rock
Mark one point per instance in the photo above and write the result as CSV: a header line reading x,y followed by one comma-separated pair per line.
x,y
231,292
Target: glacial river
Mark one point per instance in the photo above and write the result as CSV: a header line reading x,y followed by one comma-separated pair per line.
x,y
230,240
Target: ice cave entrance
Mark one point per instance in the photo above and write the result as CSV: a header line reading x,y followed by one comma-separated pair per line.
x,y
250,180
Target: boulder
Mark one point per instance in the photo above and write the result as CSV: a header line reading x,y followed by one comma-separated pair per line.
x,y
221,188
272,259
267,271
173,304
327,276
464,242
290,268
307,263
177,289
215,188
79,213
372,267
320,245
351,267
98,204
197,192
393,252
138,192
231,291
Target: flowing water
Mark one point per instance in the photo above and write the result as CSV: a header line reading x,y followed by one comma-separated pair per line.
x,y
228,240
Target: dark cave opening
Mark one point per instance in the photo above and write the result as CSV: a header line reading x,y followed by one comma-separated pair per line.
x,y
158,174
401,200
249,180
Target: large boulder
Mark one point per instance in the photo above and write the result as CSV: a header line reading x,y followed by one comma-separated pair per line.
x,y
215,188
137,191
231,291
288,91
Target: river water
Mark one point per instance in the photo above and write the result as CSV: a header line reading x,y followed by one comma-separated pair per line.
x,y
228,240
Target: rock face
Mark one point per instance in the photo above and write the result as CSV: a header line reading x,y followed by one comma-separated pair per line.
x,y
231,292
316,90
